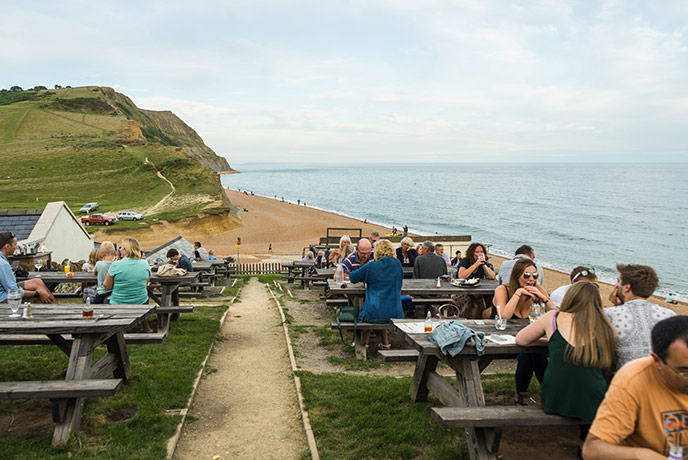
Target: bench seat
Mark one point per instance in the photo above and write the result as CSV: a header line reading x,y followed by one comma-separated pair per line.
x,y
175,309
360,326
38,339
60,389
498,417
398,356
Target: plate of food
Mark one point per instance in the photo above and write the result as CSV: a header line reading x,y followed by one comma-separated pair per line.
x,y
466,283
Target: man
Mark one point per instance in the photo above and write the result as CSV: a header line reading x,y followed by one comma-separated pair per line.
x,y
211,255
634,316
524,251
439,250
428,264
580,273
181,260
455,261
199,252
643,413
374,237
358,258
33,290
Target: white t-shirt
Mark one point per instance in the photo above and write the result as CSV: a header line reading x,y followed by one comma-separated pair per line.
x,y
558,294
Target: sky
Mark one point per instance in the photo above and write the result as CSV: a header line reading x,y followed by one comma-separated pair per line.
x,y
394,81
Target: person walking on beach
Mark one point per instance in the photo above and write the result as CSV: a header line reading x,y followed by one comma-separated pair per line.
x,y
523,251
633,316
405,230
643,413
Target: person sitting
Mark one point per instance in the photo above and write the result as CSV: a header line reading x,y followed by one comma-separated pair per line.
x,y
439,250
358,258
429,265
309,257
128,277
33,289
514,300
336,254
384,277
633,316
211,255
321,260
475,264
524,251
580,273
406,253
643,413
180,260
107,256
456,260
200,254
581,349
92,259
374,238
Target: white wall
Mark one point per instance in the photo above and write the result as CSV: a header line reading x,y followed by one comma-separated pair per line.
x,y
61,232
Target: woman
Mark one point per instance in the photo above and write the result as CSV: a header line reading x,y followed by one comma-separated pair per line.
x,y
581,348
128,277
382,302
406,252
514,300
475,264
336,254
107,256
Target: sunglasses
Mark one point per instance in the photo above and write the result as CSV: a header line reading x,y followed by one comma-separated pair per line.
x,y
584,274
528,275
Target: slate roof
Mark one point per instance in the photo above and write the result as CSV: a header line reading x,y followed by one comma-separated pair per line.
x,y
21,223
159,254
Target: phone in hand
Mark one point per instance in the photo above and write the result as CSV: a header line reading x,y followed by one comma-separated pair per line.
x,y
15,264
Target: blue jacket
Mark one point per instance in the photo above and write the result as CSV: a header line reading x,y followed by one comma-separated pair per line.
x,y
451,337
383,292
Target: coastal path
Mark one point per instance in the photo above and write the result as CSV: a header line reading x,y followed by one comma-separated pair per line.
x,y
465,403
246,405
83,378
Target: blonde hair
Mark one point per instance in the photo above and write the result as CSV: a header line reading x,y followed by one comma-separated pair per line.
x,y
93,257
131,245
344,238
348,249
107,248
407,240
384,248
590,328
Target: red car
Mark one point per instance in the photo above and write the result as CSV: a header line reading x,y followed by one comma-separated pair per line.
x,y
93,219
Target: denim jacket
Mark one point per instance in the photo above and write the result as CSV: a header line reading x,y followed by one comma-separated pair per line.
x,y
452,336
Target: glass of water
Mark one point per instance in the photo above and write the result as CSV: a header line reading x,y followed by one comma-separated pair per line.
x,y
500,323
14,300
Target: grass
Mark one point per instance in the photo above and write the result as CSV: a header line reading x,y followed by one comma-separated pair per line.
x,y
64,145
167,374
357,417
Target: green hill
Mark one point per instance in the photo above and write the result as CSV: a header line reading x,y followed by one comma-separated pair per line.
x,y
91,144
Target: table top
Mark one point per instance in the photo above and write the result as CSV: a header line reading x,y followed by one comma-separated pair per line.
x,y
201,265
419,287
90,277
66,319
420,340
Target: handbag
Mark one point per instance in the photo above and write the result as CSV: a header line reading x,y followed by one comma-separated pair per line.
x,y
171,270
347,314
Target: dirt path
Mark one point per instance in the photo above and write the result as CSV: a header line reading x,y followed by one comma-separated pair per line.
x,y
246,405
157,206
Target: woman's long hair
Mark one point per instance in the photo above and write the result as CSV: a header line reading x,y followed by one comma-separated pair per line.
x,y
593,334
132,247
470,252
516,272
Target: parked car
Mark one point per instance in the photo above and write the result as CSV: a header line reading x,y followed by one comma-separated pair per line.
x,y
93,219
129,215
89,208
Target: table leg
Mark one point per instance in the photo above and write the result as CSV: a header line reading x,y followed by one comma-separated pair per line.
x,y
425,364
69,411
117,346
175,302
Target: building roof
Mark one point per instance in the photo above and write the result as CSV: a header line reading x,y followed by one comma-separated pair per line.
x,y
21,223
159,254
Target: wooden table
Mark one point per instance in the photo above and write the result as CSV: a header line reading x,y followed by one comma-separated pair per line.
x,y
328,273
299,270
468,366
83,376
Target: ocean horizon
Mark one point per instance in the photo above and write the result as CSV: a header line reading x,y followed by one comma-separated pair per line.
x,y
572,214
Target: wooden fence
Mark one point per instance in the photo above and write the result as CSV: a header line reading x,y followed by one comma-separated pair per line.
x,y
256,269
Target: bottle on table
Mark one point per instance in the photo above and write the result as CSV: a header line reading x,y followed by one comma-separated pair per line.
x,y
87,309
428,323
339,274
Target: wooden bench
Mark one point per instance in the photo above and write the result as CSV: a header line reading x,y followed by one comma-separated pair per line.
x,y
398,356
60,389
144,338
337,302
359,345
491,420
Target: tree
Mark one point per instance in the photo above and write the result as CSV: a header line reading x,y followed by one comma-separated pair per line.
x,y
58,87
16,89
38,88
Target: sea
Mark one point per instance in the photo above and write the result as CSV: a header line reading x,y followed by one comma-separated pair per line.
x,y
571,214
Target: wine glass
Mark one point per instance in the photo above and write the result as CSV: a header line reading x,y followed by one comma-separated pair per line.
x,y
14,297
38,263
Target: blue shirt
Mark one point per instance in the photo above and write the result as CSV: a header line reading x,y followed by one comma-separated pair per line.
x,y
383,292
352,262
7,279
185,263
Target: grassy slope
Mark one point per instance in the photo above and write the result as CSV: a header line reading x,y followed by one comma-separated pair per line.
x,y
73,156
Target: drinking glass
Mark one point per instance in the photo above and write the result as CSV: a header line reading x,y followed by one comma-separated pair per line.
x,y
535,311
500,323
67,268
14,300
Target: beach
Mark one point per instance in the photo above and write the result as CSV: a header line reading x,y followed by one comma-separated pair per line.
x,y
289,228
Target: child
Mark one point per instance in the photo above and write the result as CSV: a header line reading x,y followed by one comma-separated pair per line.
x,y
107,255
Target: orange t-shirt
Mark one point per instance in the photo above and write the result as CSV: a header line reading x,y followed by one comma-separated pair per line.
x,y
641,410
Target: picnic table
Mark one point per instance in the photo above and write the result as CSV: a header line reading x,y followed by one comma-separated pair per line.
x,y
465,402
83,378
328,273
299,270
